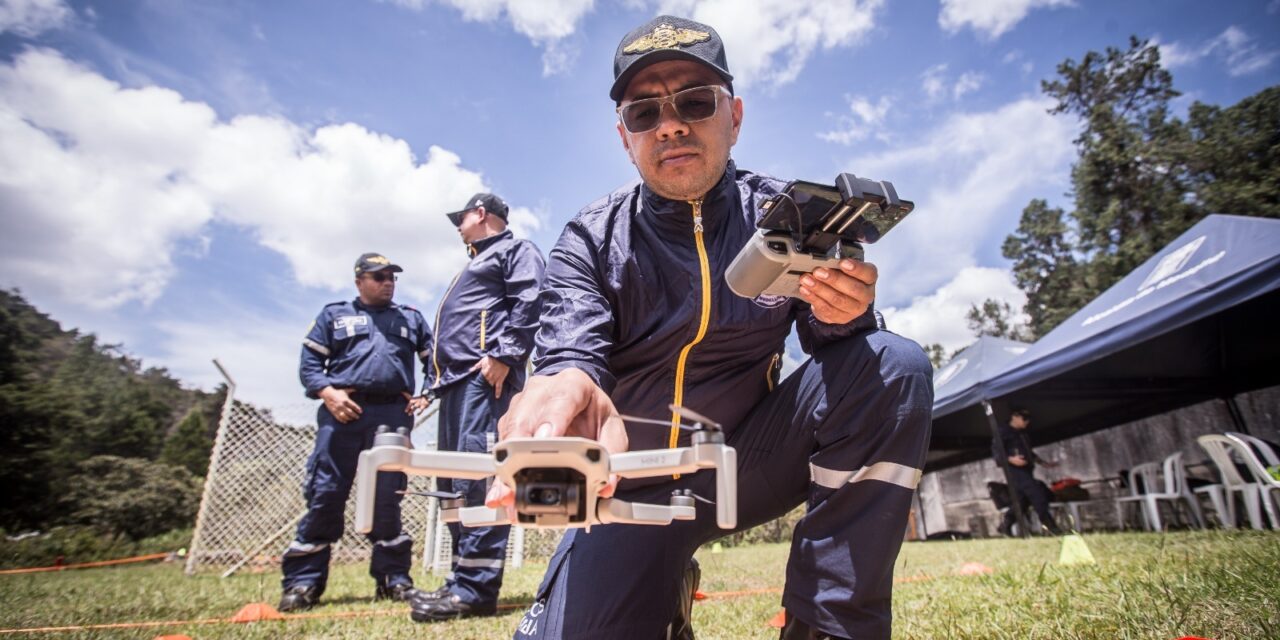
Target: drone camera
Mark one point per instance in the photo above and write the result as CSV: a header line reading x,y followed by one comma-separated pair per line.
x,y
550,494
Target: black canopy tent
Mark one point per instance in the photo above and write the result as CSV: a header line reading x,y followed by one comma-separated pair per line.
x,y
1197,321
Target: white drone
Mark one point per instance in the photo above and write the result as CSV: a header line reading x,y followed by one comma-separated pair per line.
x,y
557,481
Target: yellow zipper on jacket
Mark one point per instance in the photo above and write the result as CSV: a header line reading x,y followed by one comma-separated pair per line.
x,y
768,372
484,313
703,320
435,338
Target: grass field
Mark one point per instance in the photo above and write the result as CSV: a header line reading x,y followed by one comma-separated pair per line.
x,y
1209,584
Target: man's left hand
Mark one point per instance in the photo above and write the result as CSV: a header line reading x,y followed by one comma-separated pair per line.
x,y
495,371
839,296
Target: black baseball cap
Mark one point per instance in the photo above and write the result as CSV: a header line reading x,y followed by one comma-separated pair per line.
x,y
370,262
491,203
667,38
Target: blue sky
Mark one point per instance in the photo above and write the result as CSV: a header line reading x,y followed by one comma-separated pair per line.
x,y
195,179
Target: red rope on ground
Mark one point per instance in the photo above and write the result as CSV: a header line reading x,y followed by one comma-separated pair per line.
x,y
353,614
87,565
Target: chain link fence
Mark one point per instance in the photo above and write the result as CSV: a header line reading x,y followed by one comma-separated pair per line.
x,y
253,499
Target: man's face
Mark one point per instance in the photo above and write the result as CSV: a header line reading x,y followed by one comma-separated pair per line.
x,y
681,160
472,226
376,288
1018,422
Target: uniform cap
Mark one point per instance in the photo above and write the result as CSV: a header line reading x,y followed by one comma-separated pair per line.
x,y
667,38
370,262
491,203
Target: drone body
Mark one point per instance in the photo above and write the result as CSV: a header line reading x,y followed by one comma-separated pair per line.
x,y
557,481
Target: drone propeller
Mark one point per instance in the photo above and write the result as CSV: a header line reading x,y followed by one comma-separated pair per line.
x,y
439,495
662,423
699,421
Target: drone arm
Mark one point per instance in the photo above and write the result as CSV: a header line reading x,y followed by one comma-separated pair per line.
x,y
467,466
726,487
478,516
652,463
613,510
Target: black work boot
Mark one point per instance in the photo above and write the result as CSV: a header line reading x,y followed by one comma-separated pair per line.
x,y
442,592
399,592
797,629
299,597
681,627
450,607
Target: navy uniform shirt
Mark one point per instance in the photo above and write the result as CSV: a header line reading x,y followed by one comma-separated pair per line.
x,y
370,349
635,297
490,309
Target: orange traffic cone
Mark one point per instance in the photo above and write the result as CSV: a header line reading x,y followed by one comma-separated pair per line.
x,y
255,611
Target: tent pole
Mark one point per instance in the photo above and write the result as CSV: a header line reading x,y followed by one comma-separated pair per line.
x,y
1237,417
1014,502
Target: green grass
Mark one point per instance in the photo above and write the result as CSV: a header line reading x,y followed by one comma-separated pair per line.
x,y
1213,584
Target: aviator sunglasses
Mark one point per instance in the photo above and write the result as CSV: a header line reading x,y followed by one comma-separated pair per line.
x,y
691,105
379,276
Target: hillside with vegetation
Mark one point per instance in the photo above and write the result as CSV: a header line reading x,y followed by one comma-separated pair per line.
x,y
90,437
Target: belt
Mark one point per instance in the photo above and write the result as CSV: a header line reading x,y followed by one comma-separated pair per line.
x,y
365,397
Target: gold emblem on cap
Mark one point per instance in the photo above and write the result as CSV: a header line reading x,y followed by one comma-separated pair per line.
x,y
378,260
665,36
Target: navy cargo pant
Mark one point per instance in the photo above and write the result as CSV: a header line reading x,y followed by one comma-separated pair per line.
x,y
846,433
469,422
330,473
1029,490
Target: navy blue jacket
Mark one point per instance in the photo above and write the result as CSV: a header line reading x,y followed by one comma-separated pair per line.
x,y
1016,442
490,309
635,297
370,349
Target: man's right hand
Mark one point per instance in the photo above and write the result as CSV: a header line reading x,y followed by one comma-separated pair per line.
x,y
1018,461
340,404
567,403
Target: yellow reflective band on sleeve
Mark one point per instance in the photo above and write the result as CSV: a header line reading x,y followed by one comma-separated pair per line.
x,y
703,320
484,314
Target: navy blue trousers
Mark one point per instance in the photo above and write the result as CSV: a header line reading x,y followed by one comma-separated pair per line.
x,y
330,472
846,434
469,422
1029,490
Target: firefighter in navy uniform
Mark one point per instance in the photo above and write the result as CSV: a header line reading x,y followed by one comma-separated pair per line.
x,y
483,337
358,358
637,316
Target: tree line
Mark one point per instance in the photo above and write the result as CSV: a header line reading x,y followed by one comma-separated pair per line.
x,y
1143,177
90,437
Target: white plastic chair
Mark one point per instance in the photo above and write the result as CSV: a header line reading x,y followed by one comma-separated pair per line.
x,y
1169,484
1250,450
1221,450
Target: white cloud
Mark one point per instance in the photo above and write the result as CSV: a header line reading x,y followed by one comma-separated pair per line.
x,y
259,352
1236,50
545,22
990,18
101,185
934,82
941,316
864,119
768,42
1240,52
969,82
969,178
30,18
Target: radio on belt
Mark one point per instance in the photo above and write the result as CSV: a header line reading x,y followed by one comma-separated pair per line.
x,y
811,225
